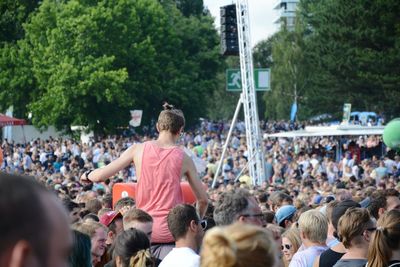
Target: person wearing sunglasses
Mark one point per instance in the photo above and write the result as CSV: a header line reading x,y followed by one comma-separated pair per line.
x,y
238,206
291,242
188,231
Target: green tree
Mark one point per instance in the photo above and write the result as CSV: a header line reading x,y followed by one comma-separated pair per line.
x,y
353,50
13,13
16,80
262,58
289,75
90,62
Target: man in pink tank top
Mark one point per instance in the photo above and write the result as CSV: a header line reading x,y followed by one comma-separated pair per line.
x,y
159,164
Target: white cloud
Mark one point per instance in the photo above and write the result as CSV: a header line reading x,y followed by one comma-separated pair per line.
x,y
262,16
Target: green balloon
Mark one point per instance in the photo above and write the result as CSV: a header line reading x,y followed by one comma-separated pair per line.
x,y
391,134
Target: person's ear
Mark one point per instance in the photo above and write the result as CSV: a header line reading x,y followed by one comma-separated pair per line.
x,y
381,211
302,235
157,127
367,235
20,254
288,223
110,236
193,226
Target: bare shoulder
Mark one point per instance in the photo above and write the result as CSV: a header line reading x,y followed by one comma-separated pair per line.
x,y
187,162
137,149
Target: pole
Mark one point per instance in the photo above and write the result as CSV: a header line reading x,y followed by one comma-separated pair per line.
x,y
227,140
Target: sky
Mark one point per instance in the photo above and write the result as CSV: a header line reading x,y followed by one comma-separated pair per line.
x,y
262,16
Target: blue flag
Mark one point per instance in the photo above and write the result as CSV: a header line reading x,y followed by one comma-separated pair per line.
x,y
293,112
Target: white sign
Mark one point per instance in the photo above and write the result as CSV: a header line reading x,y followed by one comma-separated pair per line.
x,y
136,116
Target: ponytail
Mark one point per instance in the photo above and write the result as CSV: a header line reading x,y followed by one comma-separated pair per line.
x,y
385,240
142,258
379,253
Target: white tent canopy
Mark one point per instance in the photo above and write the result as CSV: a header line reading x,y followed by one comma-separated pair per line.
x,y
336,130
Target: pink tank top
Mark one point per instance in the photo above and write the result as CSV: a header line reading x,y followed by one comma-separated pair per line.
x,y
158,189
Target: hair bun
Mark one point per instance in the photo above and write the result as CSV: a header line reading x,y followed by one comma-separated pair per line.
x,y
167,106
219,248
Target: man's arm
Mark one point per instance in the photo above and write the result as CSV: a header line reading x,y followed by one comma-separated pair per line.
x,y
196,185
101,174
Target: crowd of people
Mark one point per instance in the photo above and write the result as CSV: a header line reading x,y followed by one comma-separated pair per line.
x,y
315,207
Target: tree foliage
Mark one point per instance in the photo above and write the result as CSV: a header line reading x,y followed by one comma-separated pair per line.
x,y
344,52
354,48
90,62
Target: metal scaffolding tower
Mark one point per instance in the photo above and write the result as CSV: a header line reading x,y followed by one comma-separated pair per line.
x,y
255,149
253,133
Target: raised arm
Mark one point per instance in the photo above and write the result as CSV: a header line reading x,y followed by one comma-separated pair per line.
x,y
196,185
101,174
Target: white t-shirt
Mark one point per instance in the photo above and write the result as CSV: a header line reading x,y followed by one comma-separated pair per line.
x,y
306,257
181,257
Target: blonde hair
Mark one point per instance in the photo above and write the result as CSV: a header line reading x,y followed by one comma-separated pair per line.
x,y
141,259
88,227
293,235
385,240
314,225
238,245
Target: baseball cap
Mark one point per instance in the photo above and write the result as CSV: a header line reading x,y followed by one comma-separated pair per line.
x,y
365,202
341,208
317,199
285,212
108,217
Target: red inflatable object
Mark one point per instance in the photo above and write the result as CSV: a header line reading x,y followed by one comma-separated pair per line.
x,y
122,190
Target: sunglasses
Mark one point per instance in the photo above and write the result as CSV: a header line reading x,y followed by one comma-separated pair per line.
x,y
203,224
287,246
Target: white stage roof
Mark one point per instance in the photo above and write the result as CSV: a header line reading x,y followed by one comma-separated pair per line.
x,y
337,130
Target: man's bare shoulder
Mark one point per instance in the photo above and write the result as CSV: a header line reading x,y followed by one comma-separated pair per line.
x,y
137,149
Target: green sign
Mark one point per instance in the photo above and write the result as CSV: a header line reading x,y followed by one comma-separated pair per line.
x,y
234,80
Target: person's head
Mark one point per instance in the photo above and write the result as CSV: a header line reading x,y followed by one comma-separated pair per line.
x,y
238,245
355,228
284,216
238,205
34,227
329,210
278,199
313,227
106,201
184,224
170,120
339,209
132,249
382,201
98,237
291,242
93,205
72,208
386,239
139,219
392,199
113,221
124,203
81,250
